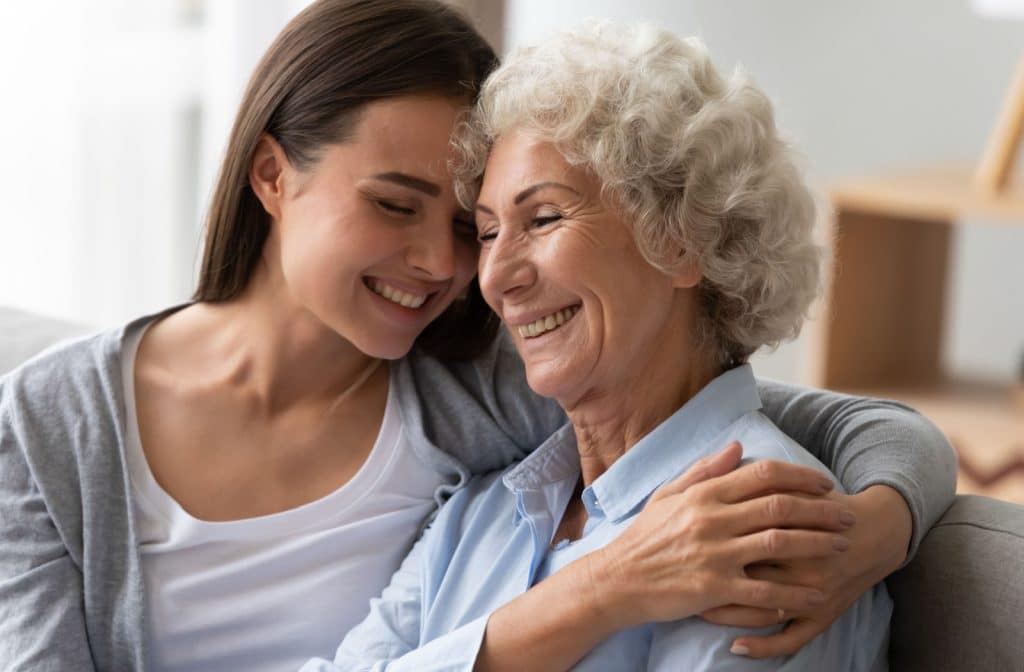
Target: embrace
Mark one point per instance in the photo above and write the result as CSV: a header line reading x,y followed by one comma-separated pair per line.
x,y
465,386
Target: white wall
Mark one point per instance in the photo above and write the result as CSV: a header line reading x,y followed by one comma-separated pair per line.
x,y
864,87
114,118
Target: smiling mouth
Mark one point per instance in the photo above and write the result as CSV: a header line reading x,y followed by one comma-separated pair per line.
x,y
549,323
395,295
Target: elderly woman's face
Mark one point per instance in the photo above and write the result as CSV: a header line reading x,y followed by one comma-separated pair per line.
x,y
560,267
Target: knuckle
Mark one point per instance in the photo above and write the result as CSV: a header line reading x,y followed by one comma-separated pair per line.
x,y
760,593
700,526
764,470
771,541
698,493
779,507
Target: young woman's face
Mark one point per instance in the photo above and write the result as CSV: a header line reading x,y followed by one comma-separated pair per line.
x,y
372,239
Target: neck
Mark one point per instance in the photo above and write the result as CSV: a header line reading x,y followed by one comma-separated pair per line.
x,y
611,418
266,345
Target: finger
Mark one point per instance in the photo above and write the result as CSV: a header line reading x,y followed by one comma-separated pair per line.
x,y
767,476
711,466
789,511
773,596
786,643
778,544
736,616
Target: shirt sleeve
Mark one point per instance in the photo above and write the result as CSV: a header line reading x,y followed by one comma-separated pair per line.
x,y
42,622
388,639
867,442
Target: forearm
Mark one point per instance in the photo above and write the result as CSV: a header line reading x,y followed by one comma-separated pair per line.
x,y
554,624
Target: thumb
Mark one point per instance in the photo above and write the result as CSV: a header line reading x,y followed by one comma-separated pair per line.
x,y
711,466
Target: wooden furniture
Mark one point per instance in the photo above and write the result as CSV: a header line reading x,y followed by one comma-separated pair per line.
x,y
996,163
881,331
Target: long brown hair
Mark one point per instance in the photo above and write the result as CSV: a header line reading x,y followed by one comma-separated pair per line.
x,y
307,91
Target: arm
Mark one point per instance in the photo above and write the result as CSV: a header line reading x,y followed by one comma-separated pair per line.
x,y
867,442
653,571
42,623
902,472
389,638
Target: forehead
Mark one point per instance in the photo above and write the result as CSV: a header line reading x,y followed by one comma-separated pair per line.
x,y
518,160
411,133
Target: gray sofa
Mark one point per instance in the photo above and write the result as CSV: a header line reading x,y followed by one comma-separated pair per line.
x,y
959,605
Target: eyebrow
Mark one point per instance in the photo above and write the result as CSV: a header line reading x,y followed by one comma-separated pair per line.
x,y
530,191
412,182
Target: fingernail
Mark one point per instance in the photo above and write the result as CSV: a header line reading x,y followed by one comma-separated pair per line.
x,y
816,598
739,649
847,518
825,485
841,543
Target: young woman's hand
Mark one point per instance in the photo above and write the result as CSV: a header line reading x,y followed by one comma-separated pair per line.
x,y
878,546
688,550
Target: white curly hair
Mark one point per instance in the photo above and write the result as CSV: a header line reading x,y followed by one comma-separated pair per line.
x,y
695,163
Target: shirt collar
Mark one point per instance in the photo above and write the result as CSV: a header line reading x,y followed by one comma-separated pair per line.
x,y
554,460
675,444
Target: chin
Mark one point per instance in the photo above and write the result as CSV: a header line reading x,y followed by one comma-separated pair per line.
x,y
391,350
547,383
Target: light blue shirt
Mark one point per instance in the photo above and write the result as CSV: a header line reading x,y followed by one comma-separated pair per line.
x,y
492,542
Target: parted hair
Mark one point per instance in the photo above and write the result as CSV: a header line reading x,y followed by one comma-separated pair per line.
x,y
693,160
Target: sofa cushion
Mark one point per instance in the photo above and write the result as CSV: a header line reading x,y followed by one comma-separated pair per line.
x,y
959,605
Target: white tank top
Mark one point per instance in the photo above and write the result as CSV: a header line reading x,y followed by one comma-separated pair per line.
x,y
270,592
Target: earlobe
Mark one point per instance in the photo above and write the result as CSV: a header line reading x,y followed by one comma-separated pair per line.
x,y
266,174
687,274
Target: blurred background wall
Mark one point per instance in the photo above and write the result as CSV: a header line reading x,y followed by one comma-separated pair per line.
x,y
115,113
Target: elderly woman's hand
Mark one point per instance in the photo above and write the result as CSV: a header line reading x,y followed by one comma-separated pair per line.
x,y
688,551
878,546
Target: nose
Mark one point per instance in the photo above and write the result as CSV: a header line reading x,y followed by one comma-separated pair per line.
x,y
505,269
432,250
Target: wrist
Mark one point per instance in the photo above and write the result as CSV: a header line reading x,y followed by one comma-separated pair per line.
x,y
609,594
882,512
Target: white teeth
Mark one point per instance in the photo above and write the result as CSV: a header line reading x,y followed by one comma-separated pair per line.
x,y
397,295
546,324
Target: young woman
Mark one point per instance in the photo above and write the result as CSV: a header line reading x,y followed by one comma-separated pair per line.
x,y
226,484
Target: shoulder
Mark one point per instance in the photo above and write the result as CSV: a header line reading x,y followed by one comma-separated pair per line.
x,y
481,411
67,378
65,406
763,440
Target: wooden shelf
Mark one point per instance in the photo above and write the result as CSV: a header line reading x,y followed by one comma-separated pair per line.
x,y
884,315
939,194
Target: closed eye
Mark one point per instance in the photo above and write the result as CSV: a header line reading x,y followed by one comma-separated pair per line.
x,y
543,221
393,208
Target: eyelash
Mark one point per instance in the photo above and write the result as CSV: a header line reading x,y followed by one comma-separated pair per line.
x,y
392,208
537,222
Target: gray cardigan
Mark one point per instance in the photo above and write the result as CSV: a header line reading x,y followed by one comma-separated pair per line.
x,y
71,595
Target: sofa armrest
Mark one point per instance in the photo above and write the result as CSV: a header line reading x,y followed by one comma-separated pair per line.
x,y
959,605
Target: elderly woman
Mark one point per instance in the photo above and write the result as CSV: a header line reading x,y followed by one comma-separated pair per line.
x,y
644,230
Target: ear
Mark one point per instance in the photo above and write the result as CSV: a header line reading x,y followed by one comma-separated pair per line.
x,y
687,274
267,174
